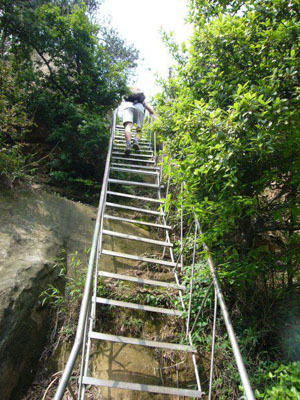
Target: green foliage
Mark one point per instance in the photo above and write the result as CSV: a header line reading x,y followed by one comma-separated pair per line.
x,y
71,74
73,283
233,137
14,123
201,280
230,119
134,324
158,298
65,296
283,381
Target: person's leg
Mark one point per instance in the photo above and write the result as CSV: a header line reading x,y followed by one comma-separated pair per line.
x,y
139,125
136,140
128,130
128,123
138,134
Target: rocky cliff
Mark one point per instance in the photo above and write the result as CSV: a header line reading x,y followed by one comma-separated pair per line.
x,y
34,227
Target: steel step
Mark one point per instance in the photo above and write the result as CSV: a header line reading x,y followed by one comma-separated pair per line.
x,y
133,171
132,196
135,221
133,183
121,133
142,210
141,151
139,258
142,342
86,380
114,164
122,143
119,153
135,306
137,238
141,281
143,143
145,148
134,159
122,138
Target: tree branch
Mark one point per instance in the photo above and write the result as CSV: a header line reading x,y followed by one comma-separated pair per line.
x,y
50,70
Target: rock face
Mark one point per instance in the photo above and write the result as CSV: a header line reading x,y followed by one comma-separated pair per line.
x,y
34,228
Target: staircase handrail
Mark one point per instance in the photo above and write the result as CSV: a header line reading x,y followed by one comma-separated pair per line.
x,y
229,327
219,295
89,278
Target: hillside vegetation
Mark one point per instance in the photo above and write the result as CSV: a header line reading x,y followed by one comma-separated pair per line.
x,y
230,117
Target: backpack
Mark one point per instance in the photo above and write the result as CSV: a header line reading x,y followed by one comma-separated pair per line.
x,y
135,97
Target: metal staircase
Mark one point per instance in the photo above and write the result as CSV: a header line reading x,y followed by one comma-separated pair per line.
x,y
139,168
136,166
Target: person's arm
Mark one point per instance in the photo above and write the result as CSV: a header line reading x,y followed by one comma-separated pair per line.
x,y
148,108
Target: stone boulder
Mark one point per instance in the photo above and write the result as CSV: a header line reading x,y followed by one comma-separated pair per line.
x,y
34,228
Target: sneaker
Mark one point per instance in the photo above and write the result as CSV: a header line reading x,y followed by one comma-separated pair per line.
x,y
127,152
136,146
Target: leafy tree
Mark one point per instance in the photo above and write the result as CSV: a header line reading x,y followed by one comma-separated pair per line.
x,y
231,121
116,48
14,124
74,72
66,6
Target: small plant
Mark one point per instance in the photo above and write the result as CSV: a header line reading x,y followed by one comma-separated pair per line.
x,y
65,297
132,325
53,295
283,381
155,299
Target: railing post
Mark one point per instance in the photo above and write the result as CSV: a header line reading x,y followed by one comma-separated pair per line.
x,y
155,144
191,283
150,136
181,225
82,357
201,307
166,216
212,359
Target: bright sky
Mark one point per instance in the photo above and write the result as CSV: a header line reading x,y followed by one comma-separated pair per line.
x,y
139,23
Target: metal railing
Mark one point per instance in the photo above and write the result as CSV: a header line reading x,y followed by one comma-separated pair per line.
x,y
86,299
189,337
218,300
234,344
